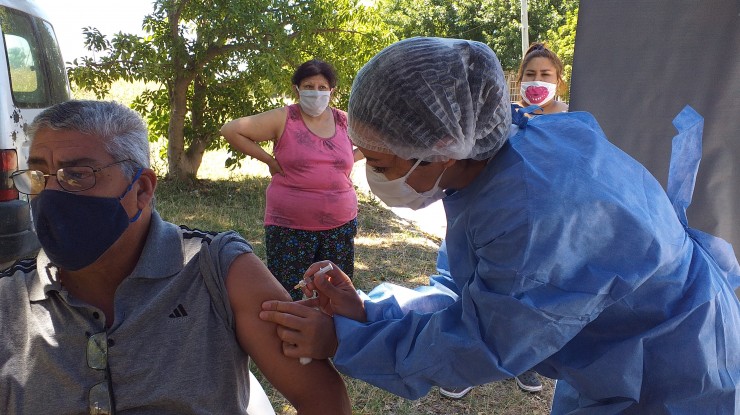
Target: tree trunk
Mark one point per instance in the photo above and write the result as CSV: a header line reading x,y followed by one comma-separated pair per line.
x,y
201,136
179,168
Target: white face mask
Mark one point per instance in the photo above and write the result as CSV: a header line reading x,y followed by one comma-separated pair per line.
x,y
398,193
537,92
314,102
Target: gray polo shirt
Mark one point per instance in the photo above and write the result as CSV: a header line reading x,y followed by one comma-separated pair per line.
x,y
172,348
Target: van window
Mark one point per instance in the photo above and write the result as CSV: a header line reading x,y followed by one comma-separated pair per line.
x,y
37,74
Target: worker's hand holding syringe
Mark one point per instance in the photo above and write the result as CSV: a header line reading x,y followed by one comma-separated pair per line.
x,y
306,327
304,282
336,294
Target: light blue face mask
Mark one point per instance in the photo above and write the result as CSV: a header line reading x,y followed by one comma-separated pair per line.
x,y
398,193
75,230
314,102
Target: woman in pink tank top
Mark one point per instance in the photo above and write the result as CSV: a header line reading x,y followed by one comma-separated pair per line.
x,y
311,204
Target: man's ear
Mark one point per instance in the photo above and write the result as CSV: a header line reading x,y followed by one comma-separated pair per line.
x,y
146,185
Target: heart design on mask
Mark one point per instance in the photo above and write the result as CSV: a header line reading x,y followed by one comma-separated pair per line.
x,y
536,94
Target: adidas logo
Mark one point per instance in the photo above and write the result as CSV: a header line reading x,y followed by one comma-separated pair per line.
x,y
179,312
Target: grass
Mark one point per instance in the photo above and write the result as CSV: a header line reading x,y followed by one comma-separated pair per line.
x,y
388,248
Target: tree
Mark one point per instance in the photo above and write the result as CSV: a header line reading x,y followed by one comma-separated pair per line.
x,y
217,60
494,22
562,40
19,58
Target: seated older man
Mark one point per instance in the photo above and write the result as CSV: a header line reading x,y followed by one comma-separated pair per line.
x,y
122,311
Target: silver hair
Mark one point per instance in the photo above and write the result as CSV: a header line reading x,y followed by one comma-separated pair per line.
x,y
121,128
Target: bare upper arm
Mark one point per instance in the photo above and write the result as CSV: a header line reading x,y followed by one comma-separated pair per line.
x,y
313,388
260,127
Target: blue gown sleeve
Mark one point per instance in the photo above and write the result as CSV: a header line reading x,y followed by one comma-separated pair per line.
x,y
393,301
685,157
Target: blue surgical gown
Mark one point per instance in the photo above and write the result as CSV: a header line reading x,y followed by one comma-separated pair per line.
x,y
567,256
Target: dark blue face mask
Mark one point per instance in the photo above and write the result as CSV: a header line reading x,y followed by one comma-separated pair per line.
x,y
75,230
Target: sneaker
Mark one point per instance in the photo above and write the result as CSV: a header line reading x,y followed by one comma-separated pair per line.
x,y
529,382
455,393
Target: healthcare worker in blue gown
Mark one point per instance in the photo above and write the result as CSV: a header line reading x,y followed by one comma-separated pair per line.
x,y
564,254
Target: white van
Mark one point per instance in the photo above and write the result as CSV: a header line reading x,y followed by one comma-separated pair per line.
x,y
32,78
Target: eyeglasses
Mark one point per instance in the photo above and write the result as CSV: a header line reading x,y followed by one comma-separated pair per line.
x,y
71,179
100,400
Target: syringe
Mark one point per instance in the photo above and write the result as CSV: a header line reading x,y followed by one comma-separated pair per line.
x,y
321,271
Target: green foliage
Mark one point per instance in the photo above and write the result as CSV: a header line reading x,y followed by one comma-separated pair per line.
x,y
19,58
494,22
205,63
562,41
222,59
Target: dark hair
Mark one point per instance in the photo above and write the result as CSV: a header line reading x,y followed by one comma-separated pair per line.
x,y
539,50
315,67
